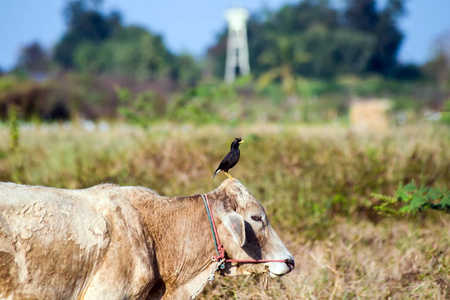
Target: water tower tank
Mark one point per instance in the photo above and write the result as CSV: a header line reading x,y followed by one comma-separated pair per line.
x,y
237,47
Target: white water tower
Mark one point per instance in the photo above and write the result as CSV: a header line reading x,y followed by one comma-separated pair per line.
x,y
237,47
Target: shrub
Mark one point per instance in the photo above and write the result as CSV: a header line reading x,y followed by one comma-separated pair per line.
x,y
414,199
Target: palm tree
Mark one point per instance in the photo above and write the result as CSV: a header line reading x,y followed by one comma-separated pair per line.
x,y
284,56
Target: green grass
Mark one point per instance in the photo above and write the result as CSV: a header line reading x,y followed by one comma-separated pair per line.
x,y
315,182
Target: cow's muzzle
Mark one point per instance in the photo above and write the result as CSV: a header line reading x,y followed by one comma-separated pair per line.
x,y
280,269
291,264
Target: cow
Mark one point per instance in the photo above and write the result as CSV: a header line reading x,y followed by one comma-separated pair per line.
x,y
119,242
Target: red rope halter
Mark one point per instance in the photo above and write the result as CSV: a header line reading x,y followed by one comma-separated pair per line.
x,y
219,247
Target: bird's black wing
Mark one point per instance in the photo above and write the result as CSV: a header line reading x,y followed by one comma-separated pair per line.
x,y
229,161
233,158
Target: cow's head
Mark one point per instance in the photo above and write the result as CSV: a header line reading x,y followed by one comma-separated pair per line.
x,y
246,234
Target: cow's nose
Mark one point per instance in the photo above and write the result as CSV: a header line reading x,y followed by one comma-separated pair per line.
x,y
291,264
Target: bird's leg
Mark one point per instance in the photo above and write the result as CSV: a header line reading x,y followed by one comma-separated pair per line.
x,y
229,175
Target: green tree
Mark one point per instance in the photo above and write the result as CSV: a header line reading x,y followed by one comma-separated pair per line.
x,y
362,15
91,58
284,56
185,69
86,24
342,51
33,58
98,43
280,37
355,39
136,52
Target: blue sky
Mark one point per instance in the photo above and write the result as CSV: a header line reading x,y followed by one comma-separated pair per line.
x,y
191,26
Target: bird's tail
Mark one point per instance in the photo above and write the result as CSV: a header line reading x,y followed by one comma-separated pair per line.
x,y
215,173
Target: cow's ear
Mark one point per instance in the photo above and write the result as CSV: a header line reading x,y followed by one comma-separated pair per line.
x,y
234,222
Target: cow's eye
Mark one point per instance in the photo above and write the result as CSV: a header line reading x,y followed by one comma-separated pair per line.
x,y
257,218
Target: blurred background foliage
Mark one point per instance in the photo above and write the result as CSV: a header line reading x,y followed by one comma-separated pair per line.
x,y
308,61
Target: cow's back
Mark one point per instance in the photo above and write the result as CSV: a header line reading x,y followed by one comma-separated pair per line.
x,y
51,241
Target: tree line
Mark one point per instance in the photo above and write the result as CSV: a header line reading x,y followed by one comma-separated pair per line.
x,y
311,38
309,50
98,42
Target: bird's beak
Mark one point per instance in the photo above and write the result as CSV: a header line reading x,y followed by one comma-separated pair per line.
x,y
241,142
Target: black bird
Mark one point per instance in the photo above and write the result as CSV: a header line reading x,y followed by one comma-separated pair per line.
x,y
231,159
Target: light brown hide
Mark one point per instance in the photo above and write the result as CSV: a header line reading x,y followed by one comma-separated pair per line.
x,y
111,242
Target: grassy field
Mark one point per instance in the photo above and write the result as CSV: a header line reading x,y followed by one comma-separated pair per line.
x,y
315,182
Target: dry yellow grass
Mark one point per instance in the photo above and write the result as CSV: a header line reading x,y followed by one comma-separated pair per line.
x,y
315,183
360,260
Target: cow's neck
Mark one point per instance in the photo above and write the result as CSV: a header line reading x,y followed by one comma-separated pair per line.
x,y
183,241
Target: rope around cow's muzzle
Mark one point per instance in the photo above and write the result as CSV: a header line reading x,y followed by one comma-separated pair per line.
x,y
220,259
219,247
